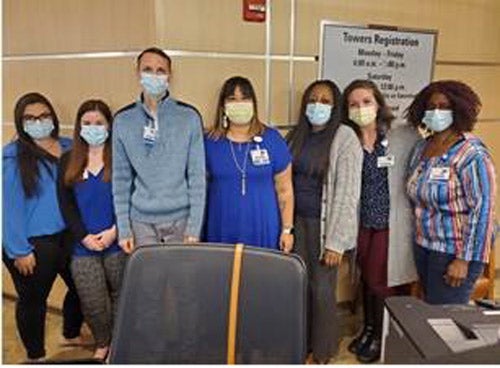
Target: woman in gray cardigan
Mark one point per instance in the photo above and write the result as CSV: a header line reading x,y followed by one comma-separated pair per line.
x,y
384,251
327,158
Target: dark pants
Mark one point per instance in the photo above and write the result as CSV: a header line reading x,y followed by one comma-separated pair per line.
x,y
372,258
52,255
432,266
323,324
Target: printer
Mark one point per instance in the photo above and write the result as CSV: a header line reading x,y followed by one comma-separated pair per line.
x,y
418,333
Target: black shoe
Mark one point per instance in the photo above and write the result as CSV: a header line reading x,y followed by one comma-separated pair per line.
x,y
371,352
361,340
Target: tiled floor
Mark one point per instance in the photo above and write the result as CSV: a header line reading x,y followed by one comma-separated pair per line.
x,y
13,351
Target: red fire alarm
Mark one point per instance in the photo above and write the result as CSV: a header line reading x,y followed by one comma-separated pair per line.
x,y
254,10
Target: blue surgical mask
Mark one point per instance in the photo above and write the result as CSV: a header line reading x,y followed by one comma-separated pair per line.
x,y
94,135
39,128
318,113
153,84
438,120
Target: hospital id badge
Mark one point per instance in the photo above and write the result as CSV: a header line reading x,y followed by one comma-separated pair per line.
x,y
440,173
149,134
260,157
385,161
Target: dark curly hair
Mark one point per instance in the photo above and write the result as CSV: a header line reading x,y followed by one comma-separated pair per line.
x,y
465,104
384,114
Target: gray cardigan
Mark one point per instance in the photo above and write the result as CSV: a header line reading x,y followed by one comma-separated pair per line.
x,y
340,202
341,192
401,266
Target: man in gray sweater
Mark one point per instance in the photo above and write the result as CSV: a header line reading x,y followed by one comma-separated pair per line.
x,y
158,162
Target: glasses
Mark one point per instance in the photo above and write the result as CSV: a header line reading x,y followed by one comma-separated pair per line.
x,y
45,115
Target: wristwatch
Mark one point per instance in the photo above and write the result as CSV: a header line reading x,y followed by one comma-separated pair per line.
x,y
288,230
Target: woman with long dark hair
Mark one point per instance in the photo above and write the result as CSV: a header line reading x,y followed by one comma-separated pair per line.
x,y
36,247
250,196
327,160
384,250
86,202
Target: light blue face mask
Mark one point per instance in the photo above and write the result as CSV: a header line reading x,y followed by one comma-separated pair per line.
x,y
438,120
318,113
39,128
153,84
94,135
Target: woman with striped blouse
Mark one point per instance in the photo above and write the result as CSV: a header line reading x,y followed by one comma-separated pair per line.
x,y
452,186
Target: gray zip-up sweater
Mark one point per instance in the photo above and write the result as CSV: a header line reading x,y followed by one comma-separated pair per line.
x,y
164,181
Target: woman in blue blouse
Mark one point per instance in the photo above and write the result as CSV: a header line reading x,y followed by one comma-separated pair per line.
x,y
87,206
35,244
250,196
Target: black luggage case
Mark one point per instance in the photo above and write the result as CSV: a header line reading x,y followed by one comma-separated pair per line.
x,y
174,307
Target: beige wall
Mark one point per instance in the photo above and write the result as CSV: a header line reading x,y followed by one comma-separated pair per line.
x,y
216,27
469,34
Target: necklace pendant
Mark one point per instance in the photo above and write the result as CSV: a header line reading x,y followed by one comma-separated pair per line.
x,y
243,185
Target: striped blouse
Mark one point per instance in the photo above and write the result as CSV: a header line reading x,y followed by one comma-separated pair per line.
x,y
453,197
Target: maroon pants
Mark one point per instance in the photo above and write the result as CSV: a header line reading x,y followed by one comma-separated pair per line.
x,y
372,260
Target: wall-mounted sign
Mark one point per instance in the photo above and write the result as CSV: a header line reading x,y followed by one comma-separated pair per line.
x,y
400,61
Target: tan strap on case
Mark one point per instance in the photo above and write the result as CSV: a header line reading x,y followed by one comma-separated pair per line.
x,y
233,304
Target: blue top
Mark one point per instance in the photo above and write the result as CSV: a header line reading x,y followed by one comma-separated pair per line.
x,y
374,202
253,218
95,204
307,185
162,181
24,217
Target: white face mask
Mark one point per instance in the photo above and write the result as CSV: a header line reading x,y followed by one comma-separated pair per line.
x,y
239,113
363,116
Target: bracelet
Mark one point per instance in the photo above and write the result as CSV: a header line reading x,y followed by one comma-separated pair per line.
x,y
288,230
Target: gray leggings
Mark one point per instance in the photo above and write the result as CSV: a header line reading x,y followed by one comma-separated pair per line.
x,y
98,281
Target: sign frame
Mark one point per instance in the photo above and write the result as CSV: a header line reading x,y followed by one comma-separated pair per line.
x,y
375,27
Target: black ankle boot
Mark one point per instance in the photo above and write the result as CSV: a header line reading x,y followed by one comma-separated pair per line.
x,y
370,352
361,340
368,313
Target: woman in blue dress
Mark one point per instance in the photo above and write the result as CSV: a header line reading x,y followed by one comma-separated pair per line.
x,y
250,195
